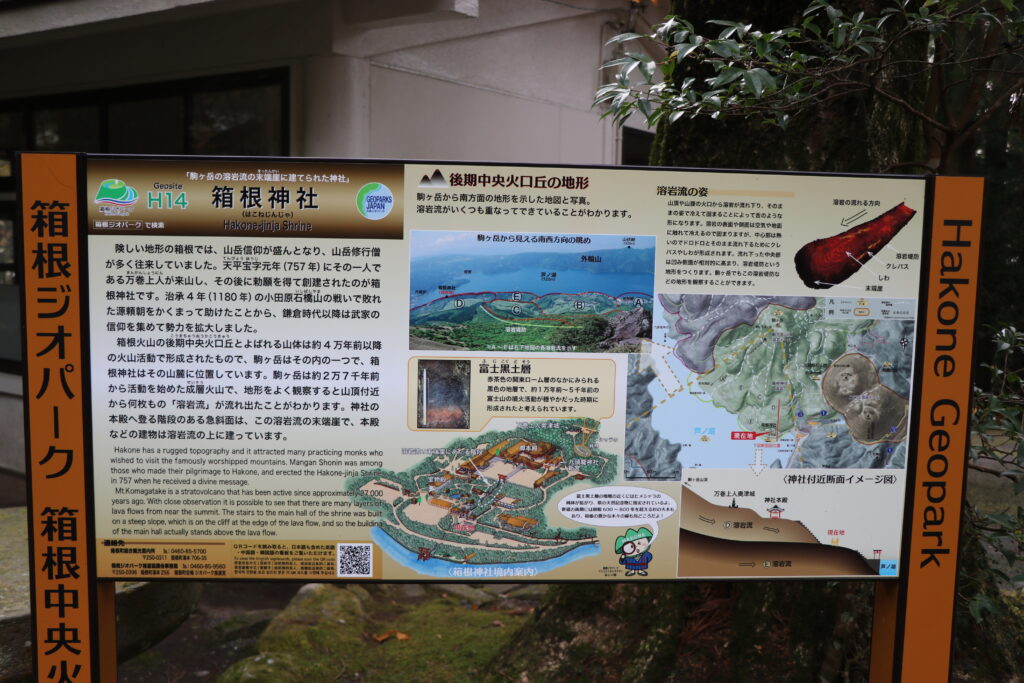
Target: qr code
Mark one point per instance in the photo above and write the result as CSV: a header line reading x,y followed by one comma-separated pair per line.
x,y
355,559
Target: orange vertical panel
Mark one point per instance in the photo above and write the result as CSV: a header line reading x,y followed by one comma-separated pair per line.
x,y
926,629
62,587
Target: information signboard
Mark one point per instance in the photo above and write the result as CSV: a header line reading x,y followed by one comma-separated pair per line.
x,y
316,370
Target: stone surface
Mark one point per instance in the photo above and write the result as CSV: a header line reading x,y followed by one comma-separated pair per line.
x,y
13,562
649,455
359,591
499,589
473,596
146,612
305,640
530,591
410,590
221,630
15,623
629,328
244,625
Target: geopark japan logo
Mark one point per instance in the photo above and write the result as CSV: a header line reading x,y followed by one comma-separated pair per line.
x,y
374,201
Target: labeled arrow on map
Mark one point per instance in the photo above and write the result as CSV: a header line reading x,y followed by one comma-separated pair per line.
x,y
709,520
746,564
772,529
849,219
834,284
758,466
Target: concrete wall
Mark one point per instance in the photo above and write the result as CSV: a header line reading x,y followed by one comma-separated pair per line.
x,y
483,80
497,80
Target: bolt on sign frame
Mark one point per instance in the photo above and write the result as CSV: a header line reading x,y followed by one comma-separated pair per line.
x,y
350,370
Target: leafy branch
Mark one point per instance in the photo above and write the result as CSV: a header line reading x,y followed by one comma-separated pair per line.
x,y
997,444
959,49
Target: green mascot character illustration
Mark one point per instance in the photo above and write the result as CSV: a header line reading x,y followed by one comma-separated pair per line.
x,y
632,550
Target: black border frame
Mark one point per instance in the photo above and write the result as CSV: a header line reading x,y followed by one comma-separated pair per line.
x,y
915,396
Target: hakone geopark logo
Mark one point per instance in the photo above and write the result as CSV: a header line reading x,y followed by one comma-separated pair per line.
x,y
374,201
115,197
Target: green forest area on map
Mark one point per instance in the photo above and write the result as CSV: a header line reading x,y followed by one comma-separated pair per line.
x,y
586,322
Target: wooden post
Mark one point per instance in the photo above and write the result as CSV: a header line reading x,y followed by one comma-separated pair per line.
x,y
106,629
883,632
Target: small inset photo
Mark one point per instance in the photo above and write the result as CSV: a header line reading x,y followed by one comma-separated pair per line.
x,y
442,396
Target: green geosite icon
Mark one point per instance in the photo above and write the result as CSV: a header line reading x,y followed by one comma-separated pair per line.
x,y
116,192
374,201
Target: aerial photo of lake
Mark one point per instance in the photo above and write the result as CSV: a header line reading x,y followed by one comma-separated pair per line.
x,y
450,263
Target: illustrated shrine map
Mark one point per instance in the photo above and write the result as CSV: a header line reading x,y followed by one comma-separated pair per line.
x,y
485,501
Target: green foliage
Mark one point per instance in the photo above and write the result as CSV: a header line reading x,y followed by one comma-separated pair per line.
x,y
990,618
326,637
997,449
585,333
772,74
957,49
942,94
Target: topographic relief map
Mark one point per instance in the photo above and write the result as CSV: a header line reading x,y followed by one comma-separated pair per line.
x,y
759,381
